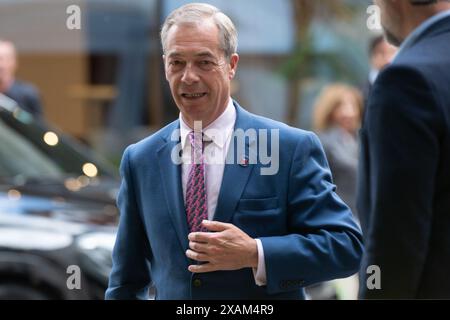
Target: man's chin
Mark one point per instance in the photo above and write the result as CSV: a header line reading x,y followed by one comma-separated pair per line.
x,y
194,113
194,108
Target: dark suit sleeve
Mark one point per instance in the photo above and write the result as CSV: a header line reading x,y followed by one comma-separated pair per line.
x,y
34,102
130,275
402,129
324,242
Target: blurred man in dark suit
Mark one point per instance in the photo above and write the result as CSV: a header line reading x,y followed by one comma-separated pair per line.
x,y
381,54
404,188
23,93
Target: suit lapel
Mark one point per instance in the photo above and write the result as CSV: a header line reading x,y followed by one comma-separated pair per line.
x,y
171,184
235,174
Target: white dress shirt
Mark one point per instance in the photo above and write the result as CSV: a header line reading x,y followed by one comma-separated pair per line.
x,y
217,138
373,75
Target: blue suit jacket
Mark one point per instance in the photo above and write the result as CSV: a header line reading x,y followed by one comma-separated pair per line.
x,y
307,232
404,188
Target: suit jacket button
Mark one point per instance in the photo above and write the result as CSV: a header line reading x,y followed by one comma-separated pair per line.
x,y
197,283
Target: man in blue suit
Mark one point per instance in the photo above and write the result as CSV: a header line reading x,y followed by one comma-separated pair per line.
x,y
404,189
205,213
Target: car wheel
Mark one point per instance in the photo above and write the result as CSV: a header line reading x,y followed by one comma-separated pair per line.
x,y
21,292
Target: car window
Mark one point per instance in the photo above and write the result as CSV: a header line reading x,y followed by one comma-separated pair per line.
x,y
31,148
19,157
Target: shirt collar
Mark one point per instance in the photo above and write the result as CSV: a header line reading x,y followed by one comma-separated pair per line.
x,y
217,131
373,74
420,30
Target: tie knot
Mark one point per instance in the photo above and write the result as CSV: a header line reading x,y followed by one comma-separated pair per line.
x,y
196,140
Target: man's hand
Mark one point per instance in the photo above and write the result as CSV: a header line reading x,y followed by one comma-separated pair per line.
x,y
226,248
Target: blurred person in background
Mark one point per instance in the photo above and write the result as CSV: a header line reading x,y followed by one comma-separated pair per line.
x,y
25,94
381,54
404,177
337,119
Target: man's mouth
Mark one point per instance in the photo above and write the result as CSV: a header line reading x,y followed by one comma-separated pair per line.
x,y
193,95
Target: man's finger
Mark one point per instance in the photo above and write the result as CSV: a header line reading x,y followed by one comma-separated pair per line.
x,y
202,237
202,268
196,256
216,225
198,247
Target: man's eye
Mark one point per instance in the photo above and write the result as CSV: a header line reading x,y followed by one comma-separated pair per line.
x,y
176,63
206,64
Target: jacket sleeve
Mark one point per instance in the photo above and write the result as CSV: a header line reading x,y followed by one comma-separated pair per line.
x,y
34,101
130,275
324,241
402,133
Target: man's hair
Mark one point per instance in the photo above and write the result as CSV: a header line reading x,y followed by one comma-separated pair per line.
x,y
374,43
196,12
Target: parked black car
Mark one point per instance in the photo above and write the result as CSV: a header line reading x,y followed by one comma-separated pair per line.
x,y
57,212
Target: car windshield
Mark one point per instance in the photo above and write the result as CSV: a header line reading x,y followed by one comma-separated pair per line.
x,y
30,149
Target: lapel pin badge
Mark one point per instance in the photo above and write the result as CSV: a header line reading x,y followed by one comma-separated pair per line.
x,y
244,162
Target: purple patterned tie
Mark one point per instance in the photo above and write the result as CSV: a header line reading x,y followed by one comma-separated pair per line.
x,y
196,201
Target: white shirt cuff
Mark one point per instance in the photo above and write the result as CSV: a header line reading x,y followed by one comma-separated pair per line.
x,y
260,273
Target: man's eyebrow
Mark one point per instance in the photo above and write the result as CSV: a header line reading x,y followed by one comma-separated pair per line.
x,y
174,55
205,54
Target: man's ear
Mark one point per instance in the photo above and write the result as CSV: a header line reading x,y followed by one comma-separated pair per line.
x,y
234,61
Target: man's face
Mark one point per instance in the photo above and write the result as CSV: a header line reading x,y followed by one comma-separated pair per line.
x,y
198,73
391,20
7,61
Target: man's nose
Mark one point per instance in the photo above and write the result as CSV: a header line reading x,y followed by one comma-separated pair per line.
x,y
190,75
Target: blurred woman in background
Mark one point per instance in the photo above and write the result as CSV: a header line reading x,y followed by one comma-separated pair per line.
x,y
337,119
